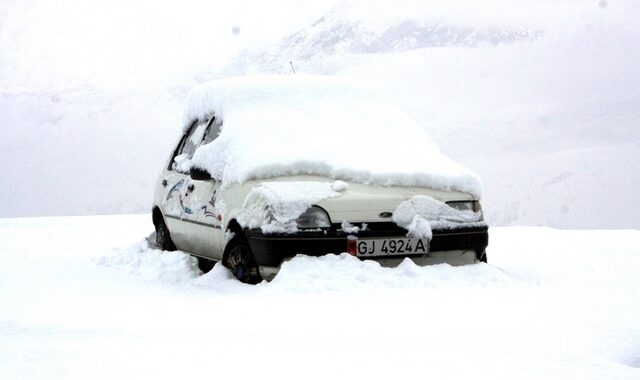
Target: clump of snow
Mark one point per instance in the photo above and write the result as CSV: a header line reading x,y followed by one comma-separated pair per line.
x,y
339,186
274,206
349,228
182,162
419,227
418,212
318,125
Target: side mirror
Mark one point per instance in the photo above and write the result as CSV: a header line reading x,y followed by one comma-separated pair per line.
x,y
198,174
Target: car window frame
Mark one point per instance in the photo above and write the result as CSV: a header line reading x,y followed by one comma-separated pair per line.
x,y
178,147
178,150
212,121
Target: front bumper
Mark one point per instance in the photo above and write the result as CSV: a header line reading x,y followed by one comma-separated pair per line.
x,y
271,250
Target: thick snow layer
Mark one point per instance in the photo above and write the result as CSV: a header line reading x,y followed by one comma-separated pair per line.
x,y
79,303
274,206
319,125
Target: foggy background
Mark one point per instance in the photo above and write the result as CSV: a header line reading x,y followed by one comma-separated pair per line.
x,y
541,100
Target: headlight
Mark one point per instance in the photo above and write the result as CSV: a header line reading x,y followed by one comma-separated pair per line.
x,y
314,217
467,206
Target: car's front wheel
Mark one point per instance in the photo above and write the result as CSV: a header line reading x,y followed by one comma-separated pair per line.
x,y
483,256
240,260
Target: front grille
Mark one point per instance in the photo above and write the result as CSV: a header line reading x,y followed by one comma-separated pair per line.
x,y
375,227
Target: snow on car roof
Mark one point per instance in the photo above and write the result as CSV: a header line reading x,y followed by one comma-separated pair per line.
x,y
317,125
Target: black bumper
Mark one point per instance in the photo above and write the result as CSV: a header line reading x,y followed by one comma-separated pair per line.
x,y
272,249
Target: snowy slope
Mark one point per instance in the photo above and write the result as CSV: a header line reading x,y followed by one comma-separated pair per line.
x,y
540,98
81,299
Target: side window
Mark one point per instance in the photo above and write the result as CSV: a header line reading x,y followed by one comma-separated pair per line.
x,y
188,145
193,141
212,131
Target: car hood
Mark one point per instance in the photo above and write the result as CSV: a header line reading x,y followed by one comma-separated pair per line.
x,y
359,202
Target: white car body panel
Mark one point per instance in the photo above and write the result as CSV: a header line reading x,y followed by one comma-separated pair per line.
x,y
197,222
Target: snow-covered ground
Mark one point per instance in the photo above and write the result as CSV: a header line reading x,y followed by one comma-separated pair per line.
x,y
85,297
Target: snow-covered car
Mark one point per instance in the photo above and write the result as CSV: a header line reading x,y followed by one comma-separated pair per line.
x,y
269,167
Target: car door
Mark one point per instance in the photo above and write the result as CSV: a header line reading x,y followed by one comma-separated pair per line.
x,y
203,200
196,201
176,206
204,219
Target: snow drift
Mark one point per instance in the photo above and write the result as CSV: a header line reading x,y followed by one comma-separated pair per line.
x,y
318,125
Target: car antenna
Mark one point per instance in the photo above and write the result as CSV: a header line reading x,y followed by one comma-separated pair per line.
x,y
292,68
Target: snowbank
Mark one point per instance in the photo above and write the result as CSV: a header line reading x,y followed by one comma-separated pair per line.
x,y
345,273
318,125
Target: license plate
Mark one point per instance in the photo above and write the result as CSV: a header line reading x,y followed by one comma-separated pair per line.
x,y
392,247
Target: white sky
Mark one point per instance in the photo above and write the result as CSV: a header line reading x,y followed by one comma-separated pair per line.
x,y
62,44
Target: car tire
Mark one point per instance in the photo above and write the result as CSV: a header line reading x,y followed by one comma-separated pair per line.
x,y
163,237
483,256
205,265
241,262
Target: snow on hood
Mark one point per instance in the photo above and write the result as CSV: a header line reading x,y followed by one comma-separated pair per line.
x,y
274,206
317,125
418,213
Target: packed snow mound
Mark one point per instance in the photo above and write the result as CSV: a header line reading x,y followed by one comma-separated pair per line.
x,y
318,125
420,213
274,206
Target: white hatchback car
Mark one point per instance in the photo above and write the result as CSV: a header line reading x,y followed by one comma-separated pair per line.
x,y
271,167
